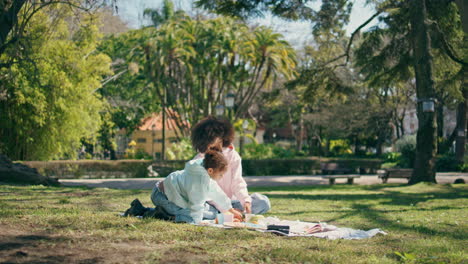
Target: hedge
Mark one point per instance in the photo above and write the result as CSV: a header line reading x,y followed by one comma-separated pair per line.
x,y
305,166
99,169
68,169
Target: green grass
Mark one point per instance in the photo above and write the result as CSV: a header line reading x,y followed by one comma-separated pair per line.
x,y
425,224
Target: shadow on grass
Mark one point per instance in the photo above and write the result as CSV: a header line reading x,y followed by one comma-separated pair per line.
x,y
373,215
35,249
390,197
359,206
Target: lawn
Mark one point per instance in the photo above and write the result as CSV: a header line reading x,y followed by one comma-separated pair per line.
x,y
425,224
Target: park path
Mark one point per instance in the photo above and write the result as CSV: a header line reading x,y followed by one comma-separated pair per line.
x,y
148,183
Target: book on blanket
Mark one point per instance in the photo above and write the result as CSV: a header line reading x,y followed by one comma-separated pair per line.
x,y
259,222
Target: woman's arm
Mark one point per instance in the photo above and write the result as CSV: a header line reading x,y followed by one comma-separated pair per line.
x,y
239,186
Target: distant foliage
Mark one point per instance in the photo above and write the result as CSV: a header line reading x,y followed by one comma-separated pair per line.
x,y
407,147
267,151
50,91
448,162
142,155
340,147
181,150
391,156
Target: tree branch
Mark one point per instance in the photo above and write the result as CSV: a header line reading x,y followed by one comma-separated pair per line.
x,y
449,50
351,39
357,30
9,19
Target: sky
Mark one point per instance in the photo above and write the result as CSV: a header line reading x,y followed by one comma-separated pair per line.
x,y
297,33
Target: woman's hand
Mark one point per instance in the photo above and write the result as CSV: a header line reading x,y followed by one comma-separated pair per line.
x,y
248,207
236,213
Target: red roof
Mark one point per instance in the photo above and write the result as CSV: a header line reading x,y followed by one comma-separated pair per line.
x,y
156,120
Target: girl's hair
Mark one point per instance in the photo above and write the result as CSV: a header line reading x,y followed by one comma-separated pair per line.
x,y
214,159
210,128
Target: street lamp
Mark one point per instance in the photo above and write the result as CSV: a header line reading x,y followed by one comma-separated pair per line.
x,y
229,103
245,124
229,100
294,129
219,109
152,140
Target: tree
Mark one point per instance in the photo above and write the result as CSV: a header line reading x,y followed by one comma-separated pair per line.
x,y
54,76
420,46
388,56
196,62
462,109
128,91
426,140
15,15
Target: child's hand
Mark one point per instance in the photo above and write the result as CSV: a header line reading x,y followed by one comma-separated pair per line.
x,y
237,214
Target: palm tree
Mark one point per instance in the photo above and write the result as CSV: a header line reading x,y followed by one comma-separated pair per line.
x,y
268,57
164,14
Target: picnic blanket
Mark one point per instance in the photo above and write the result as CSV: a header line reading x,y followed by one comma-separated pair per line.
x,y
299,228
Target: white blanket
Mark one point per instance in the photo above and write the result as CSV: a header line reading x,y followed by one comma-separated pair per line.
x,y
298,228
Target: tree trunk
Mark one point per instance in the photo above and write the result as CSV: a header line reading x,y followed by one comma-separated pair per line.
x,y
462,110
440,120
379,144
426,140
440,128
8,19
462,119
300,137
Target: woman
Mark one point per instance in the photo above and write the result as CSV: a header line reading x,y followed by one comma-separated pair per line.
x,y
204,136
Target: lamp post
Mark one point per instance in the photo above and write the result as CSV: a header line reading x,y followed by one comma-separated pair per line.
x,y
229,103
219,109
152,140
294,133
245,124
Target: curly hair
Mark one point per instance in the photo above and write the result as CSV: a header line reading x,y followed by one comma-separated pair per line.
x,y
210,128
215,159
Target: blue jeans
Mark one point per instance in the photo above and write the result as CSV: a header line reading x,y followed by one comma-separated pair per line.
x,y
182,215
260,205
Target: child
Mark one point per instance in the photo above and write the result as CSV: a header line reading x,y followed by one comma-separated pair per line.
x,y
204,135
183,193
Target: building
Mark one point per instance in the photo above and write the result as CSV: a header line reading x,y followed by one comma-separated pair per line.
x,y
410,121
148,136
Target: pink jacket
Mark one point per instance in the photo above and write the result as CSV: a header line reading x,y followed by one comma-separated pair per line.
x,y
232,182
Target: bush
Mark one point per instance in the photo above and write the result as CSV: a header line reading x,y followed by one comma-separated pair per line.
x,y
284,153
407,147
99,169
141,154
464,167
392,157
181,150
448,162
303,166
267,151
340,147
389,165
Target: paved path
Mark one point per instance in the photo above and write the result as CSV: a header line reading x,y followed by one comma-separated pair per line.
x,y
148,183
